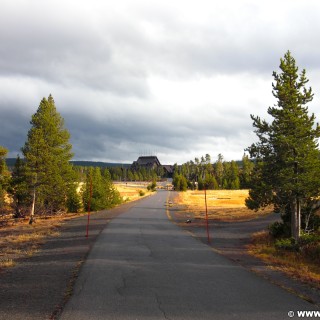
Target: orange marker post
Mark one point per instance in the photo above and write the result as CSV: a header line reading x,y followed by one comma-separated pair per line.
x,y
89,205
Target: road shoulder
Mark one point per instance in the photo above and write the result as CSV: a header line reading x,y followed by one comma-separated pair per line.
x,y
230,240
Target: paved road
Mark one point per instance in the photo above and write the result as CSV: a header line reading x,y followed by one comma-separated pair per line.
x,y
142,266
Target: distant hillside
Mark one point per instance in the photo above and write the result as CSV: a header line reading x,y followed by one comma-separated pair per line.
x,y
99,164
11,161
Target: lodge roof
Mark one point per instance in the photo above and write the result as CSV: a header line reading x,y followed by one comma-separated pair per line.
x,y
148,160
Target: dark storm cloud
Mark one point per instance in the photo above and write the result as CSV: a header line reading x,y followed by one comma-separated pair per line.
x,y
177,77
125,137
13,131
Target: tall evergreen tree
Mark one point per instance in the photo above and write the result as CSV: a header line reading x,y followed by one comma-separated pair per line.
x,y
47,152
219,170
287,156
246,171
113,196
234,182
99,190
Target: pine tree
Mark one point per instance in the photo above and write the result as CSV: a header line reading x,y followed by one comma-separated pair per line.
x,y
103,193
210,182
287,156
246,171
113,196
219,170
47,153
227,175
234,182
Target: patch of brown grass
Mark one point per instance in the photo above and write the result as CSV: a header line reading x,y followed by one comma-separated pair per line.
x,y
18,239
292,263
226,205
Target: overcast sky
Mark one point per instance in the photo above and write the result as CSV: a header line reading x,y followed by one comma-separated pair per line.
x,y
130,77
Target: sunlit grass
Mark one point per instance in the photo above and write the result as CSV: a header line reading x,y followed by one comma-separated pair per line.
x,y
222,204
6,263
132,191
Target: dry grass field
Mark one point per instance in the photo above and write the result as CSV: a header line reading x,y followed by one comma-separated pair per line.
x,y
133,190
226,205
19,239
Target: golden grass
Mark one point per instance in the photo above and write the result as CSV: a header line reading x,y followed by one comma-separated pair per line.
x,y
226,205
6,263
131,191
292,263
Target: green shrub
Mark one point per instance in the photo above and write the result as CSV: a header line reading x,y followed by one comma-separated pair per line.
x,y
286,244
279,229
141,193
308,238
152,186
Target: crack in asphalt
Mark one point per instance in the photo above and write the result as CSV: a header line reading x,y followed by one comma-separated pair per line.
x,y
120,289
143,242
159,303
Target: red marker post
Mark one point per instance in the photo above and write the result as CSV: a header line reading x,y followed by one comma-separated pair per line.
x,y
207,220
89,204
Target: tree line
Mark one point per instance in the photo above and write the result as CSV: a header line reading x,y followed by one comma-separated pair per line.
x,y
44,181
125,173
201,173
120,173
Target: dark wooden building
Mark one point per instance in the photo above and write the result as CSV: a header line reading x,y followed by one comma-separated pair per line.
x,y
148,162
151,162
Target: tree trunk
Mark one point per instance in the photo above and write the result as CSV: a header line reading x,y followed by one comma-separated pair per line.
x,y
298,231
296,219
32,207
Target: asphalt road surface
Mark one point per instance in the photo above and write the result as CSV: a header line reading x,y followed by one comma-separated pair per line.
x,y
143,266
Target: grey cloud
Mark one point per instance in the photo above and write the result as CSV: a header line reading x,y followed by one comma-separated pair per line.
x,y
13,131
106,136
76,55
97,59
